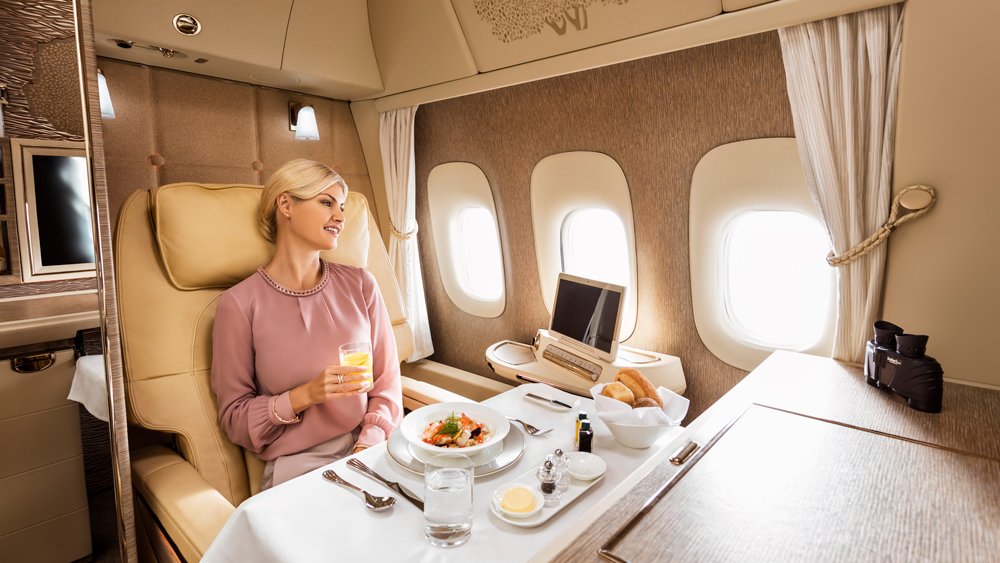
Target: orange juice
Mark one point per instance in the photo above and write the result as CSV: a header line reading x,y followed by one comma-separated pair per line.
x,y
361,359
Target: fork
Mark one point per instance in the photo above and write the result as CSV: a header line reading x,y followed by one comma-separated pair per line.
x,y
530,428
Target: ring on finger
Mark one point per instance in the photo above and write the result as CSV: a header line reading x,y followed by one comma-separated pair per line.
x,y
340,378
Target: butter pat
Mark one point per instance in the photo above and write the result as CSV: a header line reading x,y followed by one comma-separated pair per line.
x,y
518,499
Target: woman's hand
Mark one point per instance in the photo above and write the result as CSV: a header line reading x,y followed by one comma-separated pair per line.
x,y
332,382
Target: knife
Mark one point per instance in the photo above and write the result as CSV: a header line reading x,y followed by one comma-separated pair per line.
x,y
548,400
403,491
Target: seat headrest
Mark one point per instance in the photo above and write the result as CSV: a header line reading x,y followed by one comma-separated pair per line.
x,y
208,236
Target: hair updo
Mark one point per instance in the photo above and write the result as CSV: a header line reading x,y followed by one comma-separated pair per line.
x,y
299,178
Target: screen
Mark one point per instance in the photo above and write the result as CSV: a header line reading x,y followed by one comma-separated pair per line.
x,y
586,313
62,193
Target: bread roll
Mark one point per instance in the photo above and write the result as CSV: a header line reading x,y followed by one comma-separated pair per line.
x,y
618,391
637,383
644,402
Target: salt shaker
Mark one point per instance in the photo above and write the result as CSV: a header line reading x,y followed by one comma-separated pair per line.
x,y
549,477
560,461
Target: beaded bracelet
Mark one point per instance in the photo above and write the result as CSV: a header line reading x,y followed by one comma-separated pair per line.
x,y
274,411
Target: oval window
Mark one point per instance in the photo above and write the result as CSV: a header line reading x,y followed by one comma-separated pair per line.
x,y
481,267
776,283
593,245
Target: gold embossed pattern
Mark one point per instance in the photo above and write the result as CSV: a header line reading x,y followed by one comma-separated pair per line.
x,y
517,19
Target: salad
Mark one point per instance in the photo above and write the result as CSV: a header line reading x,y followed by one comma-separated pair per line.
x,y
455,431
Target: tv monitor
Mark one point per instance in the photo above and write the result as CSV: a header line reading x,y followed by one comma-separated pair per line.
x,y
55,216
586,315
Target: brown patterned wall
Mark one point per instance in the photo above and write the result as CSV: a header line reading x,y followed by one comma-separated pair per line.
x,y
173,127
656,117
38,63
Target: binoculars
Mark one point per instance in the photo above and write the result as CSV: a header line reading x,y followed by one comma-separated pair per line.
x,y
895,360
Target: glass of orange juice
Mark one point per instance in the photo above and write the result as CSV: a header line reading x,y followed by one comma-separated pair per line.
x,y
359,354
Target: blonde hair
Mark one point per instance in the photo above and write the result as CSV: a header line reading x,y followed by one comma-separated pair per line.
x,y
299,178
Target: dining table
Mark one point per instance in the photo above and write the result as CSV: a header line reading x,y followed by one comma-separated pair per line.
x,y
311,519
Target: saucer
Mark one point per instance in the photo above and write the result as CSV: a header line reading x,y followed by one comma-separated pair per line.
x,y
512,446
586,466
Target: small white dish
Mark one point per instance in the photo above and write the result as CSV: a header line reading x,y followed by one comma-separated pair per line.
x,y
586,466
536,494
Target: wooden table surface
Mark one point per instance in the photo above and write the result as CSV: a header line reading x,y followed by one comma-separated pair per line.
x,y
937,462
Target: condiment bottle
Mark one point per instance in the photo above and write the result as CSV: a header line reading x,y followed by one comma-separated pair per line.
x,y
576,433
549,477
560,461
586,437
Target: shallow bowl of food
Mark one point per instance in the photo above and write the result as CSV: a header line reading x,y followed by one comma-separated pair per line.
x,y
454,428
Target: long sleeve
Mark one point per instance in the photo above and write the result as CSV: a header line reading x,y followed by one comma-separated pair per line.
x,y
245,415
385,400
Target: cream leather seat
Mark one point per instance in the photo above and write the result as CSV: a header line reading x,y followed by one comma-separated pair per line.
x,y
177,247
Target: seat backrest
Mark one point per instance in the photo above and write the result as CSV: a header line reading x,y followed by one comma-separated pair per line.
x,y
177,248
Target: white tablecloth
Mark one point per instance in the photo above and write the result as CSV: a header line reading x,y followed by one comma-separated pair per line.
x,y
311,519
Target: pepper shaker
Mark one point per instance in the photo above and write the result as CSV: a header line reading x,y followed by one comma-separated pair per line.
x,y
548,478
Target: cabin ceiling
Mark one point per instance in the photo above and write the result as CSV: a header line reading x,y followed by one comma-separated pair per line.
x,y
356,49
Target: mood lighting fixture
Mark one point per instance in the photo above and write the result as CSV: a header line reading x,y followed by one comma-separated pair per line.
x,y
302,120
107,108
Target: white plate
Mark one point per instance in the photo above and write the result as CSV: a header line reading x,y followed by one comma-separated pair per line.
x,y
575,491
550,393
513,446
586,466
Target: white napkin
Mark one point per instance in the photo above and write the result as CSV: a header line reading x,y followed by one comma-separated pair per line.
x,y
90,386
613,410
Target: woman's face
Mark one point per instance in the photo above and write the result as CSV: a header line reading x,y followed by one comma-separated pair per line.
x,y
317,222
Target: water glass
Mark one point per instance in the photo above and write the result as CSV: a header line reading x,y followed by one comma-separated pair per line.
x,y
448,500
359,354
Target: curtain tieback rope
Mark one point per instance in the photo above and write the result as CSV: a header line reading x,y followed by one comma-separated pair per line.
x,y
920,206
407,235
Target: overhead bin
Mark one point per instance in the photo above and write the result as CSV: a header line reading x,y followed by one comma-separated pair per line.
x,y
504,33
311,46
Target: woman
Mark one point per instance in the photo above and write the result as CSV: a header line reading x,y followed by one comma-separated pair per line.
x,y
275,372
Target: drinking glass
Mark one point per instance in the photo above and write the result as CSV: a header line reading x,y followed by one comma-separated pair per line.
x,y
448,500
359,354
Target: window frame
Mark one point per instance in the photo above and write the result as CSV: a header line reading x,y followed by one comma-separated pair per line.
x,y
597,180
732,179
452,187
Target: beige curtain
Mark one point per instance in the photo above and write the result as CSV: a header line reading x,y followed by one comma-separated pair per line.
x,y
396,140
842,76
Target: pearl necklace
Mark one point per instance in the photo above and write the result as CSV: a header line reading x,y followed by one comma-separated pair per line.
x,y
296,292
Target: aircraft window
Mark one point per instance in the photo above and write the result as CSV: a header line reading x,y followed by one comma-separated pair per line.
x,y
466,238
759,279
481,265
777,282
581,217
594,246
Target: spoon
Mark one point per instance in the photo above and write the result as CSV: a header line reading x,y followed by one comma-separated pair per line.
x,y
530,428
373,502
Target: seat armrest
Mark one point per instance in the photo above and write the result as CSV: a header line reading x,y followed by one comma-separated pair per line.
x,y
190,510
417,394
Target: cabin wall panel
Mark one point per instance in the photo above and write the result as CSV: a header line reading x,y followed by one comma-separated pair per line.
x,y
942,271
656,117
177,127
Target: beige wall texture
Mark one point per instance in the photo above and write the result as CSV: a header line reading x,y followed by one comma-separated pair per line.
x,y
173,127
943,272
656,117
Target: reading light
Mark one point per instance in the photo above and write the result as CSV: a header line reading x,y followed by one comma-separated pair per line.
x,y
107,108
302,120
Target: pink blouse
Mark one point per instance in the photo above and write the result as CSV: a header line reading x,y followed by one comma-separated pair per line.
x,y
268,339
